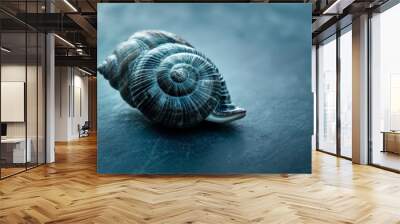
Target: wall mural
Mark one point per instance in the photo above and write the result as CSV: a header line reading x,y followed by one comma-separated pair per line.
x,y
204,88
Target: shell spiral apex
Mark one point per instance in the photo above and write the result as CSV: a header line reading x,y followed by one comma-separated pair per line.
x,y
169,81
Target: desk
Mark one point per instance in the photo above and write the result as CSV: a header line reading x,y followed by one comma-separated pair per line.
x,y
391,141
16,153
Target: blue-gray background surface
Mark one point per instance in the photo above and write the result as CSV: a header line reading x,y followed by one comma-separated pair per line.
x,y
264,54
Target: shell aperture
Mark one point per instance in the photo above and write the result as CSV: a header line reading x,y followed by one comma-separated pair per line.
x,y
169,81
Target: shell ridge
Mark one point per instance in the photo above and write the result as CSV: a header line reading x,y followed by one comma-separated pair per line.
x,y
168,80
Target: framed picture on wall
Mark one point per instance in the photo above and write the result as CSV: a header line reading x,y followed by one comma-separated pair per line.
x,y
204,88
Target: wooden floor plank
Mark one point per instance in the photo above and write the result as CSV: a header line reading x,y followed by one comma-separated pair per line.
x,y
70,191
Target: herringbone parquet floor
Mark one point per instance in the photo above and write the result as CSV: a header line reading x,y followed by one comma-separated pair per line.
x,y
70,191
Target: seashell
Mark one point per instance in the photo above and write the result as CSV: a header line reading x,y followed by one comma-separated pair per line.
x,y
169,81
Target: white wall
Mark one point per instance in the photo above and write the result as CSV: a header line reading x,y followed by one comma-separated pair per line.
x,y
71,102
61,103
16,73
80,109
12,73
33,127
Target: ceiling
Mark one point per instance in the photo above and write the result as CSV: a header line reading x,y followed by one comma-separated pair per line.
x,y
75,21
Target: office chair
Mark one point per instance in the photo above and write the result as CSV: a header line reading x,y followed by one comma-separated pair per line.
x,y
84,130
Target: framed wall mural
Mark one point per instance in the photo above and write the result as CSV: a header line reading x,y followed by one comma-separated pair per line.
x,y
204,88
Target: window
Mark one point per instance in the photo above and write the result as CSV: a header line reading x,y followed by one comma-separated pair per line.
x,y
346,93
334,138
327,95
385,89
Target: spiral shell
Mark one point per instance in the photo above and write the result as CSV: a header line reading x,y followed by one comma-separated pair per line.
x,y
169,81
